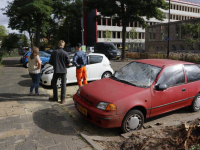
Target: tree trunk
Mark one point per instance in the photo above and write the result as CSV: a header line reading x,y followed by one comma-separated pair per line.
x,y
123,32
38,29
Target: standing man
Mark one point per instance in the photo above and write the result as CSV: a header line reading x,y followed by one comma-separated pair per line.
x,y
59,60
80,61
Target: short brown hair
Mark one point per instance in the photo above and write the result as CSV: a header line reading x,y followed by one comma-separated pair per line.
x,y
34,50
61,43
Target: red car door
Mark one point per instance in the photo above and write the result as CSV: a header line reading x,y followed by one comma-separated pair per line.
x,y
170,92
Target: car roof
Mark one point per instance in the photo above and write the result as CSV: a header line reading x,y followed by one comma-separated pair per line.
x,y
96,54
162,62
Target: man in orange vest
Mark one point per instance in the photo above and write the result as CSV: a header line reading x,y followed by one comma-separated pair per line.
x,y
80,61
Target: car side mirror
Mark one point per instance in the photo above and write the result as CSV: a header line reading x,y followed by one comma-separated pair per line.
x,y
161,87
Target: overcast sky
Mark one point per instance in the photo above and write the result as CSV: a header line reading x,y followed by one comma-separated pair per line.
x,y
3,18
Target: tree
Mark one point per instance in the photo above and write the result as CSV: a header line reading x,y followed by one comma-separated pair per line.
x,y
126,11
107,36
132,34
190,34
3,31
11,41
36,16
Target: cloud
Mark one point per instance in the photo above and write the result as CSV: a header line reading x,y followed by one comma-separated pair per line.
x,y
3,18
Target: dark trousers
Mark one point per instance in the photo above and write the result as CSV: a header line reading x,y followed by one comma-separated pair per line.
x,y
35,81
63,85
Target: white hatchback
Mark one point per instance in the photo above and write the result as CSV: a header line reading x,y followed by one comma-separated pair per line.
x,y
98,67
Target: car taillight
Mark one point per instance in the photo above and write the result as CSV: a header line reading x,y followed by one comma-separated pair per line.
x,y
25,57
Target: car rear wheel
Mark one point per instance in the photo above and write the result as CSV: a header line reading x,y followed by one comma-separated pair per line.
x,y
106,74
195,104
133,120
26,65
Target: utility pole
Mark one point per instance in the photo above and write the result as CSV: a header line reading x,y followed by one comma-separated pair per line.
x,y
168,31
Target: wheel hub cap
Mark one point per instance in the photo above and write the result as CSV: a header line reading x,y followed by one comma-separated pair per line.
x,y
134,122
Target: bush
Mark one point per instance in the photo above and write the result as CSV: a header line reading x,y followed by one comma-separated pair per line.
x,y
191,57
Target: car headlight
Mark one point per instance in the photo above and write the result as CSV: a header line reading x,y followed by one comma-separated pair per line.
x,y
78,92
49,71
106,106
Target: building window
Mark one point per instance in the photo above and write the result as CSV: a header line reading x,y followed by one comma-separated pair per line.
x,y
182,47
104,34
104,21
135,24
173,47
109,22
99,21
185,8
114,35
118,35
99,34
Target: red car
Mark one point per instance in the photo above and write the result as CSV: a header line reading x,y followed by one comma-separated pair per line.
x,y
141,89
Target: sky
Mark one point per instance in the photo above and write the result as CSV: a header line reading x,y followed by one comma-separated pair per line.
x,y
3,18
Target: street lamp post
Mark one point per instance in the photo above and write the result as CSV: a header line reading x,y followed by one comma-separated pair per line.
x,y
168,31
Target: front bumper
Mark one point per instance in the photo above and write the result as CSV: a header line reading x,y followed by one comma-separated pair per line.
x,y
46,79
97,116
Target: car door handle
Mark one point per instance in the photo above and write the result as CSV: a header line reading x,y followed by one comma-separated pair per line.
x,y
183,90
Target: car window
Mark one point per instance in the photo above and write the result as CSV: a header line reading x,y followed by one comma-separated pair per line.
x,y
192,72
110,47
171,76
93,59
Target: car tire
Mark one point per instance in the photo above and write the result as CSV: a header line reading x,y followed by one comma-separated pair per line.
x,y
26,65
133,120
195,106
106,74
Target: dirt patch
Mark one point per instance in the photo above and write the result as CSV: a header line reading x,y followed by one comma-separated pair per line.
x,y
180,137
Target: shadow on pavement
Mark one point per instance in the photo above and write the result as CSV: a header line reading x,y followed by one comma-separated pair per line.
x,y
22,97
26,83
11,63
53,121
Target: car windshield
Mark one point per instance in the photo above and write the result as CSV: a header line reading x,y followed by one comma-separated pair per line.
x,y
110,47
138,74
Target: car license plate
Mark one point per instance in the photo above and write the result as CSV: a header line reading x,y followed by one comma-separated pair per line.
x,y
117,56
82,109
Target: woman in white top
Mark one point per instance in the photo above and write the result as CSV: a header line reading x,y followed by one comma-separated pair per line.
x,y
34,70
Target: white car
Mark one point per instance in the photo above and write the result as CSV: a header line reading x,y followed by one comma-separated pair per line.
x,y
98,67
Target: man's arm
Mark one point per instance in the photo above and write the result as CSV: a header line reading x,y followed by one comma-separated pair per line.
x,y
75,60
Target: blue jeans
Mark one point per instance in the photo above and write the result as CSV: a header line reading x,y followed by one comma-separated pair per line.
x,y
35,81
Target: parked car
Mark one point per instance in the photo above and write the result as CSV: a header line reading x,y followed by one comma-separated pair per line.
x,y
90,49
98,67
108,49
140,90
43,56
49,51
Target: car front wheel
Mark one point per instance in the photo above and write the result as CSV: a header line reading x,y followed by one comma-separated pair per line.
x,y
133,120
195,104
106,75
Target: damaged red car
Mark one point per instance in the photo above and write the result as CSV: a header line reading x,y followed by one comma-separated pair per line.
x,y
140,90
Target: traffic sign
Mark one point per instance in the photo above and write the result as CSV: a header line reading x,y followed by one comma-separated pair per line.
x,y
167,39
20,42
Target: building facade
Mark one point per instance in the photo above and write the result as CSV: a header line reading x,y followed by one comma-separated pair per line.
x,y
157,37
96,31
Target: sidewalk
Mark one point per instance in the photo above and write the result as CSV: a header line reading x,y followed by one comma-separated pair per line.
x,y
32,122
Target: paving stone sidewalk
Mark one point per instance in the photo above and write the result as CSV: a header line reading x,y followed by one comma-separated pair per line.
x,y
32,122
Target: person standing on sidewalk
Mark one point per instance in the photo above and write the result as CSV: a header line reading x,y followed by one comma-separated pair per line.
x,y
59,60
34,69
80,61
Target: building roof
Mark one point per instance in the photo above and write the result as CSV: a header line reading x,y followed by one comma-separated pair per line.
x,y
190,2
